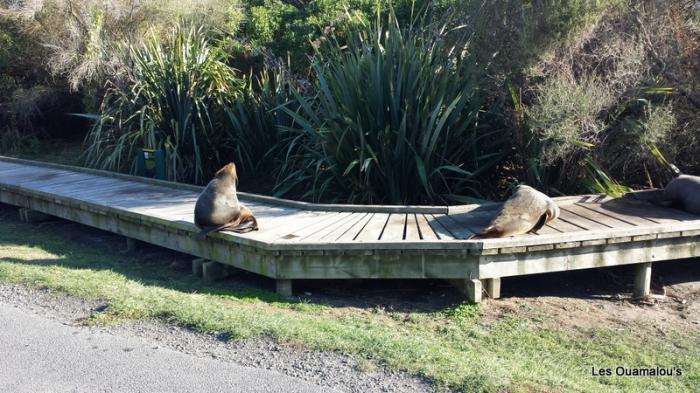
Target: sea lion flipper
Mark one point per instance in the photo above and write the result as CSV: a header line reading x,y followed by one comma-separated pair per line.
x,y
539,224
246,222
488,232
204,232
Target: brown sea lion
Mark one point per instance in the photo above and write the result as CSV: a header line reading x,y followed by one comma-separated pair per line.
x,y
217,207
526,211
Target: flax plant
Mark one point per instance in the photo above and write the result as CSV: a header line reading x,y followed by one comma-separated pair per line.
x,y
175,101
394,119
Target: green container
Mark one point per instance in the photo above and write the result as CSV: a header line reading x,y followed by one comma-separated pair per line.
x,y
151,163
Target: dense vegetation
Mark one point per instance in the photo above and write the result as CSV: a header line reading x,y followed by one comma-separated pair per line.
x,y
377,101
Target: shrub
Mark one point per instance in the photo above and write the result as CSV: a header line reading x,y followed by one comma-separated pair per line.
x,y
394,120
256,119
175,101
23,91
89,40
566,115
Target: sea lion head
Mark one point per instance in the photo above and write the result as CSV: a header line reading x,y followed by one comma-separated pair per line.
x,y
228,171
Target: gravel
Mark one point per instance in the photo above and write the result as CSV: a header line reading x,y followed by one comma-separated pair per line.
x,y
339,371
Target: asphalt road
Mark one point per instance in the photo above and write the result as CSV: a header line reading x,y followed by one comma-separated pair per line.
x,y
38,354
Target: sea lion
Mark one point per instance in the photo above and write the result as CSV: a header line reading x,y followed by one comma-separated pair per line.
x,y
218,208
683,193
526,211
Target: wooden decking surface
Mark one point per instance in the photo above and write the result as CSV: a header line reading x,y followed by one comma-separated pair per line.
x,y
302,240
583,219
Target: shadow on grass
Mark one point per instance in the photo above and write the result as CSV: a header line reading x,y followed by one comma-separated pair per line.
x,y
82,247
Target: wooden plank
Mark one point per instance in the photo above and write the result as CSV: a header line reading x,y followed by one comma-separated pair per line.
x,y
137,196
181,212
458,231
71,189
547,230
356,229
472,223
338,225
395,228
283,227
374,228
630,219
305,234
113,191
340,230
75,186
426,230
647,211
581,222
442,232
412,232
38,177
564,226
604,219
14,175
46,182
597,234
322,222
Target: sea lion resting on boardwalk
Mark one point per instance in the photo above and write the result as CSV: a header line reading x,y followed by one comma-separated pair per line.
x,y
527,210
683,193
217,207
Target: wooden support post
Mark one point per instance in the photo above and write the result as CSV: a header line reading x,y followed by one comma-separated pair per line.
x,y
492,286
283,287
31,216
213,271
472,288
130,245
642,280
197,266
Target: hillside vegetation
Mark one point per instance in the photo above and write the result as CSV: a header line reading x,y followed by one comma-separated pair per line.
x,y
364,101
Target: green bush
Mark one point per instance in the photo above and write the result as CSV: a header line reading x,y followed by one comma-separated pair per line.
x,y
394,120
23,90
290,29
176,100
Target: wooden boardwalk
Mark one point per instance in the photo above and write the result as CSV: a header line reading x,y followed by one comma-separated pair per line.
x,y
311,241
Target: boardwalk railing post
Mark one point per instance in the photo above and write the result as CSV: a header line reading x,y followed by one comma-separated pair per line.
x,y
642,280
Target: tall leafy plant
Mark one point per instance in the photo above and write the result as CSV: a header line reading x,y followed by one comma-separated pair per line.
x,y
256,118
175,101
394,119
